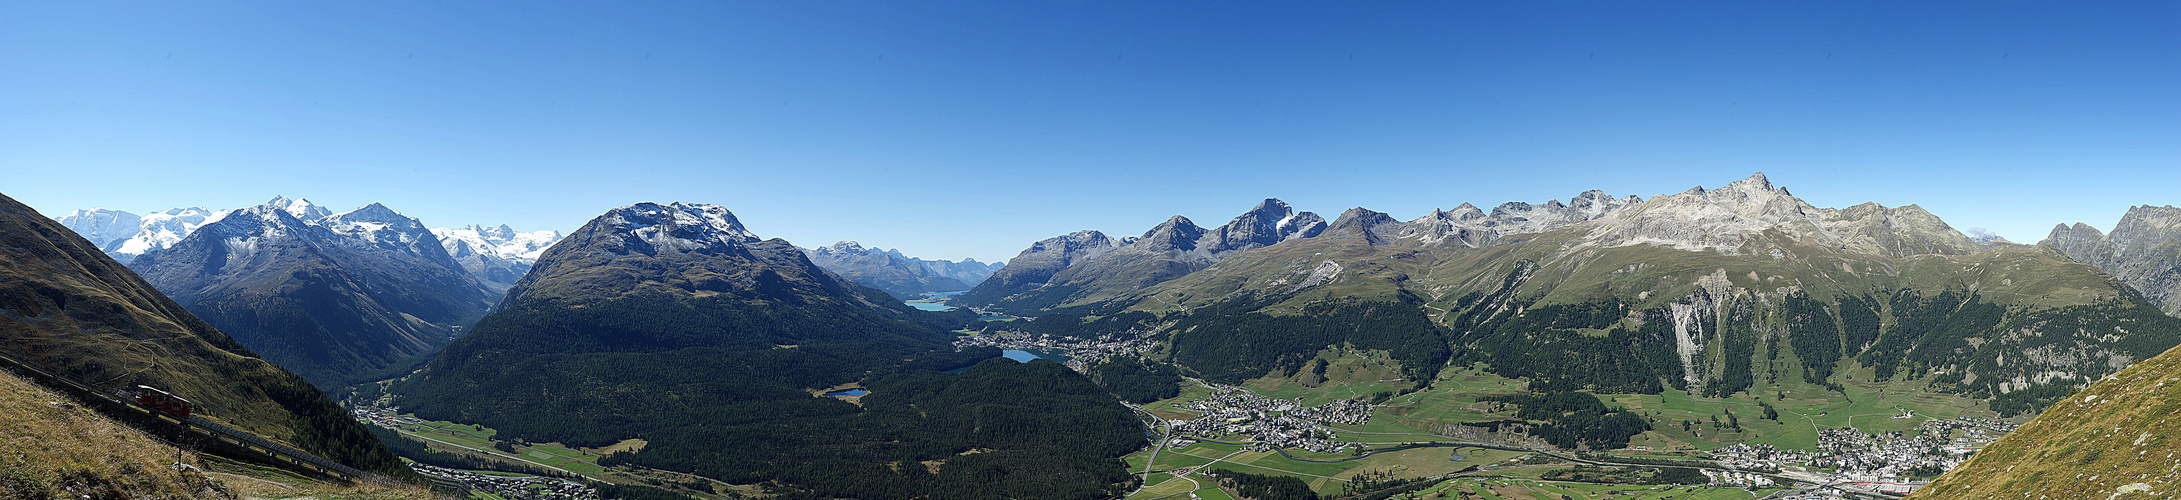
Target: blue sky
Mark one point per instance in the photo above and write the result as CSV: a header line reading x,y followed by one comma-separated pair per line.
x,y
951,129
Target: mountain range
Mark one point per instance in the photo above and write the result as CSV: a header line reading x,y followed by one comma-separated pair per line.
x,y
497,256
332,297
674,325
69,309
124,235
1096,268
1713,291
900,275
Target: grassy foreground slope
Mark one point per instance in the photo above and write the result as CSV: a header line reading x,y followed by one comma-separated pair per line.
x,y
2114,440
50,448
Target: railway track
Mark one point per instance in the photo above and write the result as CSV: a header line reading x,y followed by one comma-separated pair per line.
x,y
194,430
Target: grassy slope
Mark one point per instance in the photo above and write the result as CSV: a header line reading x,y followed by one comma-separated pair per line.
x,y
2113,440
52,451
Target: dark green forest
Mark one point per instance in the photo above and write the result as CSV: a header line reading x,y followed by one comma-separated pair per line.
x,y
1263,487
1568,419
1226,344
1137,381
724,388
1001,430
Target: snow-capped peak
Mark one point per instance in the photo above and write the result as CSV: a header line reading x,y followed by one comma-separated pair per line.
x,y
678,226
300,208
503,242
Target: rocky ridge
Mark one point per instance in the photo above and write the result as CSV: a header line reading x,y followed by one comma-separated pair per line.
x,y
2144,250
898,275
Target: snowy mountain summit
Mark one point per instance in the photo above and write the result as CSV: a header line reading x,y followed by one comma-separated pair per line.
x,y
123,235
495,255
650,228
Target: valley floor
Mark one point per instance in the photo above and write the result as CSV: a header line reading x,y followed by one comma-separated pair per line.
x,y
1815,436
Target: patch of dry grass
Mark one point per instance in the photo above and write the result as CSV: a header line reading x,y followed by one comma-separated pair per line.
x,y
52,448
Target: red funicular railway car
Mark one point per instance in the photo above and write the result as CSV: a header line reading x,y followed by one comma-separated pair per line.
x,y
162,401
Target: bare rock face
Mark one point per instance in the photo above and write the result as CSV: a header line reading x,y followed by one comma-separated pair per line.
x,y
2144,251
1724,219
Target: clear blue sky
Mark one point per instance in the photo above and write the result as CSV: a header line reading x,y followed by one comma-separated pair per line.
x,y
972,129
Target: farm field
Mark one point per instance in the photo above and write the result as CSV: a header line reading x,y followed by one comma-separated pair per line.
x,y
470,437
1527,489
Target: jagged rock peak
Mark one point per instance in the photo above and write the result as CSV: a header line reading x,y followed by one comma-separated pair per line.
x,y
677,227
1462,213
1177,233
2143,250
1724,219
374,212
1079,240
1362,223
844,246
1270,222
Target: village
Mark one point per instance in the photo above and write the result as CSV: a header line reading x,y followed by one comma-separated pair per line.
x,y
1888,462
1271,423
512,487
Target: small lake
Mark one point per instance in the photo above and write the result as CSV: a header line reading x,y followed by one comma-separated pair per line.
x,y
938,300
1024,356
847,393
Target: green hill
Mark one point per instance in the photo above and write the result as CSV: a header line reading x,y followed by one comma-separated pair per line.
x,y
2114,440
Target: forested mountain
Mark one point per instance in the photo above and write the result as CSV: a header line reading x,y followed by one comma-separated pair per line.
x,y
2144,251
332,297
69,309
1715,291
674,324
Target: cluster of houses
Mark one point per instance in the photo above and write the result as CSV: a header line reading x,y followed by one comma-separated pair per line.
x,y
511,487
1758,456
1860,456
1271,423
1975,432
384,417
1864,461
1737,479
